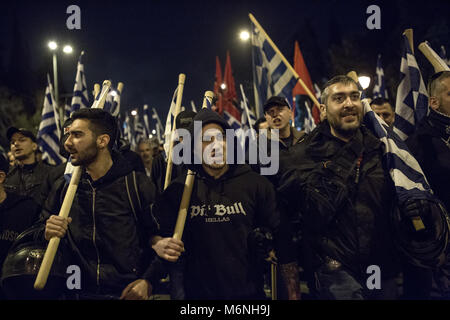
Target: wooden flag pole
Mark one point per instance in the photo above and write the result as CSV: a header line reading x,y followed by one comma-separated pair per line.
x,y
436,61
52,247
120,87
287,64
96,90
181,79
188,185
409,34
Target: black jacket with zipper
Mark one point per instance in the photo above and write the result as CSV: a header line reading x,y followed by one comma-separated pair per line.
x,y
106,241
345,198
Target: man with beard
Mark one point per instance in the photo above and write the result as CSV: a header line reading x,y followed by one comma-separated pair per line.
x,y
344,197
27,176
230,206
430,145
107,231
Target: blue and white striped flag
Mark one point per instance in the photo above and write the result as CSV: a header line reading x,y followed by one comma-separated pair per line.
x,y
170,121
80,97
112,102
270,75
147,116
159,125
139,131
309,124
127,129
405,171
379,90
232,121
412,99
49,130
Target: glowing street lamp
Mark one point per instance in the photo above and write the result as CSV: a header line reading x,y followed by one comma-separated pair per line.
x,y
67,49
364,81
244,35
223,86
134,113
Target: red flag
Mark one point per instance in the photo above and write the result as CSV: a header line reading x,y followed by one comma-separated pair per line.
x,y
302,71
217,88
230,95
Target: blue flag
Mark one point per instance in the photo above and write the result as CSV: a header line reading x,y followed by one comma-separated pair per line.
x,y
379,90
80,97
412,99
270,75
49,130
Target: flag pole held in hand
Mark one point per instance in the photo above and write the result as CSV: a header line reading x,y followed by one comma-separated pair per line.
x,y
188,184
52,247
181,80
436,61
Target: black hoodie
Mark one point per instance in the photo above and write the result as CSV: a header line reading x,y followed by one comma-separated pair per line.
x,y
103,234
17,213
221,215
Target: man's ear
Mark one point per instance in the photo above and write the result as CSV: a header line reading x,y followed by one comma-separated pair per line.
x,y
434,103
323,111
34,146
103,140
2,177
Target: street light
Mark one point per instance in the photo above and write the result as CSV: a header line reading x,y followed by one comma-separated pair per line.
x,y
364,81
134,113
67,49
223,86
244,35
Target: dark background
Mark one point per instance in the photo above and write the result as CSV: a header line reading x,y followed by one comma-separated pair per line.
x,y
146,44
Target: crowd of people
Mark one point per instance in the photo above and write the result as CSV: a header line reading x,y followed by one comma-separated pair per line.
x,y
329,214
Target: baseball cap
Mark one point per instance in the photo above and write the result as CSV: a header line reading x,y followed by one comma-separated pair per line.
x,y
276,101
23,131
184,119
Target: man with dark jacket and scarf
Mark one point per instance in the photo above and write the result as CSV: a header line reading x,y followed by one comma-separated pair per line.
x,y
430,145
27,177
346,199
108,235
17,213
229,208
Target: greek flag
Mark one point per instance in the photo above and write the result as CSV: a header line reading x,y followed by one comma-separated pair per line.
x,y
412,100
112,102
127,129
232,121
139,131
147,116
309,124
49,130
270,75
170,121
80,97
158,124
408,177
379,90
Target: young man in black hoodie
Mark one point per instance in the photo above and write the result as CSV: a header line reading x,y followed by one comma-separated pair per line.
x,y
107,232
228,203
17,213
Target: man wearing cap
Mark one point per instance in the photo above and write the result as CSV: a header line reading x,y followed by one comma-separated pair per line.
x,y
17,213
28,175
159,164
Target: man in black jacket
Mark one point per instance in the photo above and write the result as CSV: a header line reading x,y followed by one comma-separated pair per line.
x,y
346,199
430,145
26,178
107,232
17,213
228,203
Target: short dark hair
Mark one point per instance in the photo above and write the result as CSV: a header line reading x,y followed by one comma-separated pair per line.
x,y
344,79
100,122
380,102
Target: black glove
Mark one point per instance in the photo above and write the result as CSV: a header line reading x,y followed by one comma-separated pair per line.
x,y
260,243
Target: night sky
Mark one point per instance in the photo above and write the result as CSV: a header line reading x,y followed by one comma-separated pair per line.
x,y
146,44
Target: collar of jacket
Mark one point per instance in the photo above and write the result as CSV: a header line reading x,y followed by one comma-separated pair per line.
x,y
119,168
319,138
297,136
440,123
